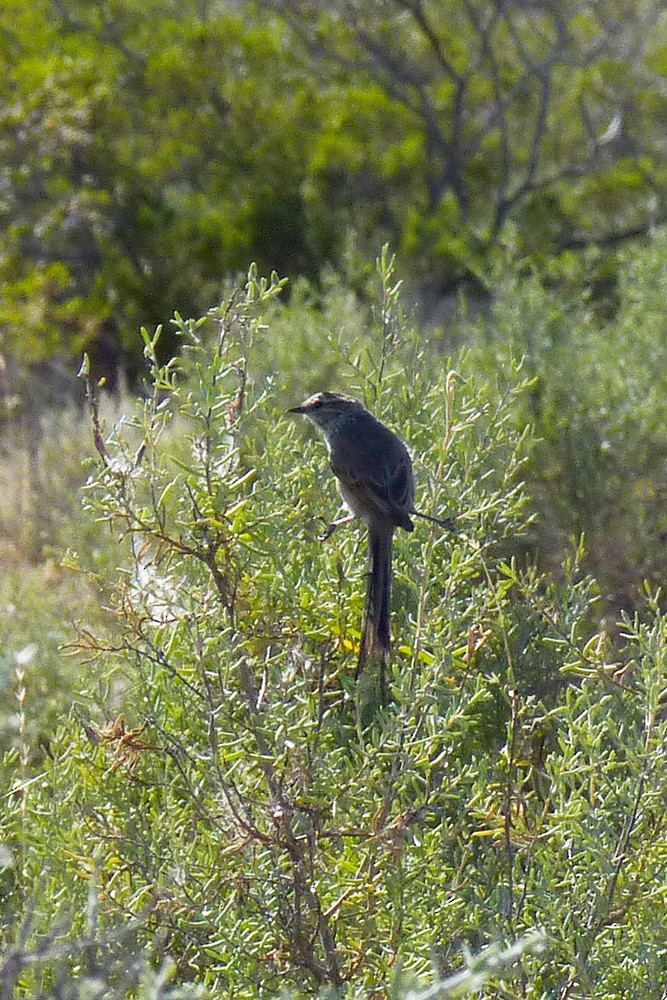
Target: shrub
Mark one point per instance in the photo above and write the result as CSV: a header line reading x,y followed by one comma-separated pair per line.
x,y
275,825
597,408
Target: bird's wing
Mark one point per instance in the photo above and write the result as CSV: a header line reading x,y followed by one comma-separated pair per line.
x,y
378,462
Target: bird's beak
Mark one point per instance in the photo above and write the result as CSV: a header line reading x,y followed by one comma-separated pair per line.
x,y
296,409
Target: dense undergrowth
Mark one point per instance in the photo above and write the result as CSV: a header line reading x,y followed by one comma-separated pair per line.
x,y
214,801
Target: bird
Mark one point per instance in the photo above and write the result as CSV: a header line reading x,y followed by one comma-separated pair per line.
x,y
377,484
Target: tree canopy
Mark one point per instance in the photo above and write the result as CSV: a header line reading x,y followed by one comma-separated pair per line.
x,y
149,150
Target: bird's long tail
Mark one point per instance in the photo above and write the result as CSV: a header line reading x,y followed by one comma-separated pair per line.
x,y
377,621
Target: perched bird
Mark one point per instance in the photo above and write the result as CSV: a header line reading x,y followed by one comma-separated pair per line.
x,y
377,484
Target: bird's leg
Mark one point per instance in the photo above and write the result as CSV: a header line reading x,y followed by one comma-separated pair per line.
x,y
335,525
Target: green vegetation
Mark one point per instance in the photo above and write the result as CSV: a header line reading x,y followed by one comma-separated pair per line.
x,y
149,149
200,798
226,807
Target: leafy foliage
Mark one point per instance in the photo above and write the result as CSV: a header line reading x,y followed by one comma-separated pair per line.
x,y
133,182
487,113
597,407
242,802
159,146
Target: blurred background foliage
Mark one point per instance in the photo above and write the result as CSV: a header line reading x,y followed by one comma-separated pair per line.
x,y
147,150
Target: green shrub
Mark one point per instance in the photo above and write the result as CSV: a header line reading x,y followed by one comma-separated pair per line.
x,y
597,409
40,515
267,821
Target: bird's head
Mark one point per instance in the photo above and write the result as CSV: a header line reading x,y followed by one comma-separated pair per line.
x,y
326,409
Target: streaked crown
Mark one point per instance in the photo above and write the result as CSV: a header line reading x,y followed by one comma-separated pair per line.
x,y
327,408
326,400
